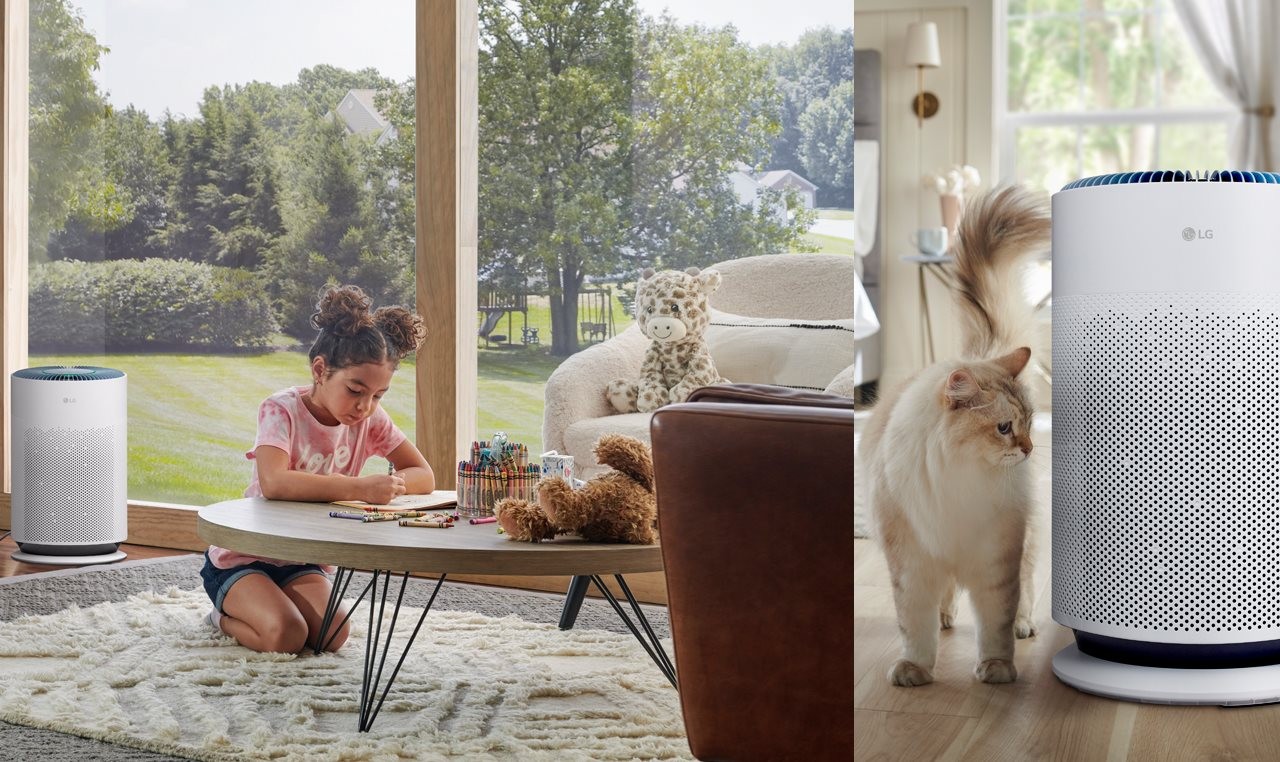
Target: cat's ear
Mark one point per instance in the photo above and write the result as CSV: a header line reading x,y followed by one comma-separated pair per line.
x,y
1015,361
962,389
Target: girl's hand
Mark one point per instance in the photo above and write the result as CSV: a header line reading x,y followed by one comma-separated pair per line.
x,y
381,489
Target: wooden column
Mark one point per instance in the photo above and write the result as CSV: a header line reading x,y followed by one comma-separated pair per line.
x,y
447,114
13,215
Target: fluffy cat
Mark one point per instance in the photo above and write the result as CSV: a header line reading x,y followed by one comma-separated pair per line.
x,y
945,457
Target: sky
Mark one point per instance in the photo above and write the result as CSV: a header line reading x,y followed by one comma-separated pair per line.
x,y
165,52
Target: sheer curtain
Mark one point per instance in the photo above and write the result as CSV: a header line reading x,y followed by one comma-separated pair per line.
x,y
1236,41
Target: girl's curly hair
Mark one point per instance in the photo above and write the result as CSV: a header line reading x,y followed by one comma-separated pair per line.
x,y
353,334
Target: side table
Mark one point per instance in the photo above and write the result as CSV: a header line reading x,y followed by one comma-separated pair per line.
x,y
938,268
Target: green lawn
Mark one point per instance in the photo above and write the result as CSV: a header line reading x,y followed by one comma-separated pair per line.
x,y
829,244
510,393
835,214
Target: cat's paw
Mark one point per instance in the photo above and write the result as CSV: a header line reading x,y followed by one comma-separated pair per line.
x,y
996,671
948,618
1023,627
908,673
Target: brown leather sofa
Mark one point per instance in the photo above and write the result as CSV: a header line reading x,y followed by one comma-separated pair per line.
x,y
755,508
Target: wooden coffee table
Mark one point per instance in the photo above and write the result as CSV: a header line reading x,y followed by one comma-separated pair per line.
x,y
306,532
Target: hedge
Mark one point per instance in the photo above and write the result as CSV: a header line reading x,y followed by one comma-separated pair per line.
x,y
146,304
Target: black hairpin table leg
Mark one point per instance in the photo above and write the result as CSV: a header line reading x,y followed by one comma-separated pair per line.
x,y
648,638
371,679
341,579
370,701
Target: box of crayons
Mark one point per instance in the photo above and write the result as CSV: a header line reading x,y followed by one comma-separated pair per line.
x,y
496,469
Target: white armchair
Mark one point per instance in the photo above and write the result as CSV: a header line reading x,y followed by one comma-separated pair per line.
x,y
811,287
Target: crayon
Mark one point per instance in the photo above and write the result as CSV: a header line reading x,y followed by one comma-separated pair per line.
x,y
397,514
484,520
345,515
368,517
430,523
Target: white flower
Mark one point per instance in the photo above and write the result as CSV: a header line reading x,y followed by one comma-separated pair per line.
x,y
938,184
955,181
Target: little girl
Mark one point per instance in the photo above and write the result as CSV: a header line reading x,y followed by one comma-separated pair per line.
x,y
312,443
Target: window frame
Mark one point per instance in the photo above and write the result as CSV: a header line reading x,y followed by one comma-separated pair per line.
x,y
446,139
1008,122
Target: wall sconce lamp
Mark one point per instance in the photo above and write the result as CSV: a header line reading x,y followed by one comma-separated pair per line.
x,y
922,53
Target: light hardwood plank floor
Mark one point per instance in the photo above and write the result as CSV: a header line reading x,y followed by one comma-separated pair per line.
x,y
12,568
1035,718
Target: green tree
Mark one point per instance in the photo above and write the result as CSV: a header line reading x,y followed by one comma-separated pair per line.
x,y
65,111
389,170
807,71
249,193
555,96
135,166
225,197
332,233
826,141
199,149
606,142
704,105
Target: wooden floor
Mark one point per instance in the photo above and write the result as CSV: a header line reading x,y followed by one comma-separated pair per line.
x,y
11,568
1036,717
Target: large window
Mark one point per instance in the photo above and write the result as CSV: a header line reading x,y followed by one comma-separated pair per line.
x,y
596,159
198,172
616,135
1099,86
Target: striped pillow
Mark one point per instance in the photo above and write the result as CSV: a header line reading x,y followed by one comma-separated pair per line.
x,y
799,353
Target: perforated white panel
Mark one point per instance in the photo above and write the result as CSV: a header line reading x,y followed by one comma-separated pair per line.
x,y
1166,463
68,486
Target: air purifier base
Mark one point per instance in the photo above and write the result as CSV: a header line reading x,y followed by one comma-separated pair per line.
x,y
1157,685
104,558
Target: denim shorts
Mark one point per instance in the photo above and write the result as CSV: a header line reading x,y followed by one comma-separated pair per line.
x,y
218,581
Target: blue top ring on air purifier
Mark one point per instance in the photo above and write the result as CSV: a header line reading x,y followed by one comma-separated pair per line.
x,y
1176,176
68,373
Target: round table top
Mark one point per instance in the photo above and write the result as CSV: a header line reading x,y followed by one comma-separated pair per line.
x,y
305,532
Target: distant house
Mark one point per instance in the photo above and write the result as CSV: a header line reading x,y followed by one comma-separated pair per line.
x,y
747,184
783,179
744,185
358,114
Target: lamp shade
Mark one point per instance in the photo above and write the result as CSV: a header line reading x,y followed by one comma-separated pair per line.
x,y
922,44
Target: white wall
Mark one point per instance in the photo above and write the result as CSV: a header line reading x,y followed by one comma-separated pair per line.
x,y
962,132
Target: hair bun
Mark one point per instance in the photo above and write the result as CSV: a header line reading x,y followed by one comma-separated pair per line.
x,y
342,310
404,330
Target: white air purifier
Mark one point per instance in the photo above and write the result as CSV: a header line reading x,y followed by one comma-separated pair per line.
x,y
69,464
1166,436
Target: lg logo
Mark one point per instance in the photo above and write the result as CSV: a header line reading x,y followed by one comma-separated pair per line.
x,y
1191,234
68,400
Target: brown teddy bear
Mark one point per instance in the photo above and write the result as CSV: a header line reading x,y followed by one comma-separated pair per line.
x,y
617,506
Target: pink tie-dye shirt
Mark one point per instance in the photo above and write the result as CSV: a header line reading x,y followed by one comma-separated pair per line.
x,y
285,422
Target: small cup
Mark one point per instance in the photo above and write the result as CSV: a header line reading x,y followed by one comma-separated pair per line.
x,y
554,464
931,241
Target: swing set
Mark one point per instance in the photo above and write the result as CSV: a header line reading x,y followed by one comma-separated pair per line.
x,y
595,308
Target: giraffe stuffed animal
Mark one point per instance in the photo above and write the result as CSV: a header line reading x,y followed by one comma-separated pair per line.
x,y
671,310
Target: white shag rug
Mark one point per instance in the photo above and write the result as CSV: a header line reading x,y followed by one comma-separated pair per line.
x,y
149,673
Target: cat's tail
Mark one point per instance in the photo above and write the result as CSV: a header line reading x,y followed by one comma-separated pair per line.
x,y
999,231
